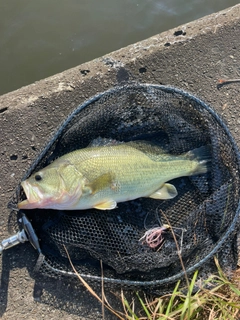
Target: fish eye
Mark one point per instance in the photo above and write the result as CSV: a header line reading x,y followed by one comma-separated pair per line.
x,y
38,177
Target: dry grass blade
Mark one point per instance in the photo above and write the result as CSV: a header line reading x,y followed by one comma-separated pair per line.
x,y
178,249
89,288
103,295
222,82
226,81
222,301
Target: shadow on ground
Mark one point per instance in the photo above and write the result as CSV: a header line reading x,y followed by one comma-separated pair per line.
x,y
65,294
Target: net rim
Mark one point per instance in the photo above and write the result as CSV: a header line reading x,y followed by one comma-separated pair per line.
x,y
167,89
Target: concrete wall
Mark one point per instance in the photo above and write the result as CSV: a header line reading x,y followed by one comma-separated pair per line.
x,y
192,57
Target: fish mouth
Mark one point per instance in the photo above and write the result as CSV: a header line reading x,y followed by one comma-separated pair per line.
x,y
33,196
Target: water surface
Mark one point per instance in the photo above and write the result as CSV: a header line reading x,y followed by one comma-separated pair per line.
x,y
41,38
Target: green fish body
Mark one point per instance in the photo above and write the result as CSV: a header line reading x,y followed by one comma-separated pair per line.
x,y
100,177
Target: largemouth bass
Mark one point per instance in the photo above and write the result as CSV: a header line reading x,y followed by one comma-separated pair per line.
x,y
100,177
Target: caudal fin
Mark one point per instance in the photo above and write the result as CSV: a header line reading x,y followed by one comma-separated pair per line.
x,y
203,157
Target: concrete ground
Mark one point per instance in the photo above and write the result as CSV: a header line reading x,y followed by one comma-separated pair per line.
x,y
192,57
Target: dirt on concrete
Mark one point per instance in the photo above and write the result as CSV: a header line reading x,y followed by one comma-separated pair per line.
x,y
191,57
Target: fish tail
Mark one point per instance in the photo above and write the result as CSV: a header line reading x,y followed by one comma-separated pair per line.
x,y
202,157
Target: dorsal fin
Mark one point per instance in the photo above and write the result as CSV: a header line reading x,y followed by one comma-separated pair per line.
x,y
153,151
99,142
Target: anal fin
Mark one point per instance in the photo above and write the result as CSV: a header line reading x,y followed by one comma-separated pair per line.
x,y
107,205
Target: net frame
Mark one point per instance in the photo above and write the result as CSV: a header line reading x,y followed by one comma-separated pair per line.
x,y
229,234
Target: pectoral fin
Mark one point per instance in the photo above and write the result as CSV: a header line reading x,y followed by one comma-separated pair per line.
x,y
167,191
101,182
108,205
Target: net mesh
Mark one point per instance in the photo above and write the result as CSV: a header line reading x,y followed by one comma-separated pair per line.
x,y
203,216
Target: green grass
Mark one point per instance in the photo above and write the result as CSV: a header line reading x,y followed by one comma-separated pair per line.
x,y
217,299
220,302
